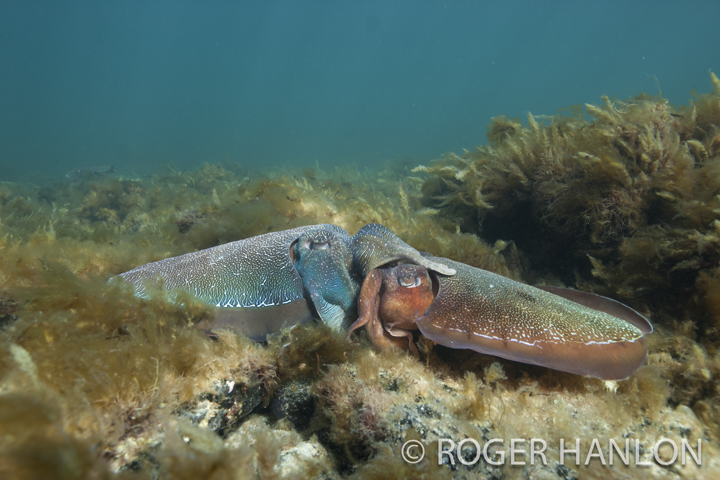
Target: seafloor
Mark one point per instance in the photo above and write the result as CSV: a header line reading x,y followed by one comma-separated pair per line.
x,y
621,198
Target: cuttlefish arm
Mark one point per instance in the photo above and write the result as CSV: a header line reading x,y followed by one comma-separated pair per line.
x,y
491,314
324,261
390,301
332,267
253,282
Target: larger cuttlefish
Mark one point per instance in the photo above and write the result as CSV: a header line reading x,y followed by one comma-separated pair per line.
x,y
262,283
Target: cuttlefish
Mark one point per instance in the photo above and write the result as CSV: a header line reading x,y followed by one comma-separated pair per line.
x,y
553,327
377,281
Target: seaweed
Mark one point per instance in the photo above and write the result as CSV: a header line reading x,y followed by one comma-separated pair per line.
x,y
624,204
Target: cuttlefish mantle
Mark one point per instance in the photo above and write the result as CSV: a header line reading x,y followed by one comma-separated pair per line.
x,y
253,282
565,330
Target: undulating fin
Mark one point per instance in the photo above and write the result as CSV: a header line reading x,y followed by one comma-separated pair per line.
x,y
604,304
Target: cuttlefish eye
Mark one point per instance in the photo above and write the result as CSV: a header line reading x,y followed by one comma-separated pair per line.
x,y
312,245
409,281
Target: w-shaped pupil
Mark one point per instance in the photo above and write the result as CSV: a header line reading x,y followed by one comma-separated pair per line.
x,y
409,281
318,245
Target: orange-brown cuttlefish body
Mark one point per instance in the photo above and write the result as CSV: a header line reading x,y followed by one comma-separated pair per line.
x,y
563,329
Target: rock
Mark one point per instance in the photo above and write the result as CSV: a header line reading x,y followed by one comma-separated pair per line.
x,y
222,411
295,402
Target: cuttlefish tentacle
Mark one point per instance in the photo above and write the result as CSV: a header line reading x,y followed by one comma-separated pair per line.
x,y
368,306
253,282
324,259
390,301
491,314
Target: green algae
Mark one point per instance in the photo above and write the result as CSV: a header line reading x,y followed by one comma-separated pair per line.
x,y
97,383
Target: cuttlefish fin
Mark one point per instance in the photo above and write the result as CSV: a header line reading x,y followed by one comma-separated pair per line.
x,y
491,314
603,304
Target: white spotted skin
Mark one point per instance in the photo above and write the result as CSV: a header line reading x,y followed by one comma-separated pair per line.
x,y
255,272
491,314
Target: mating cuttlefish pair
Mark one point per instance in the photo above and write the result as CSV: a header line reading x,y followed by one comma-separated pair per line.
x,y
376,281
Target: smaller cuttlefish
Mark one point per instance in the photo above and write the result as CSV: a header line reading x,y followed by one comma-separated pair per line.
x,y
553,327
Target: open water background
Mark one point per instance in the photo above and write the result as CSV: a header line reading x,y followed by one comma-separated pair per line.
x,y
139,84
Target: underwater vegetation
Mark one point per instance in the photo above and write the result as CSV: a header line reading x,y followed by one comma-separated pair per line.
x,y
96,382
